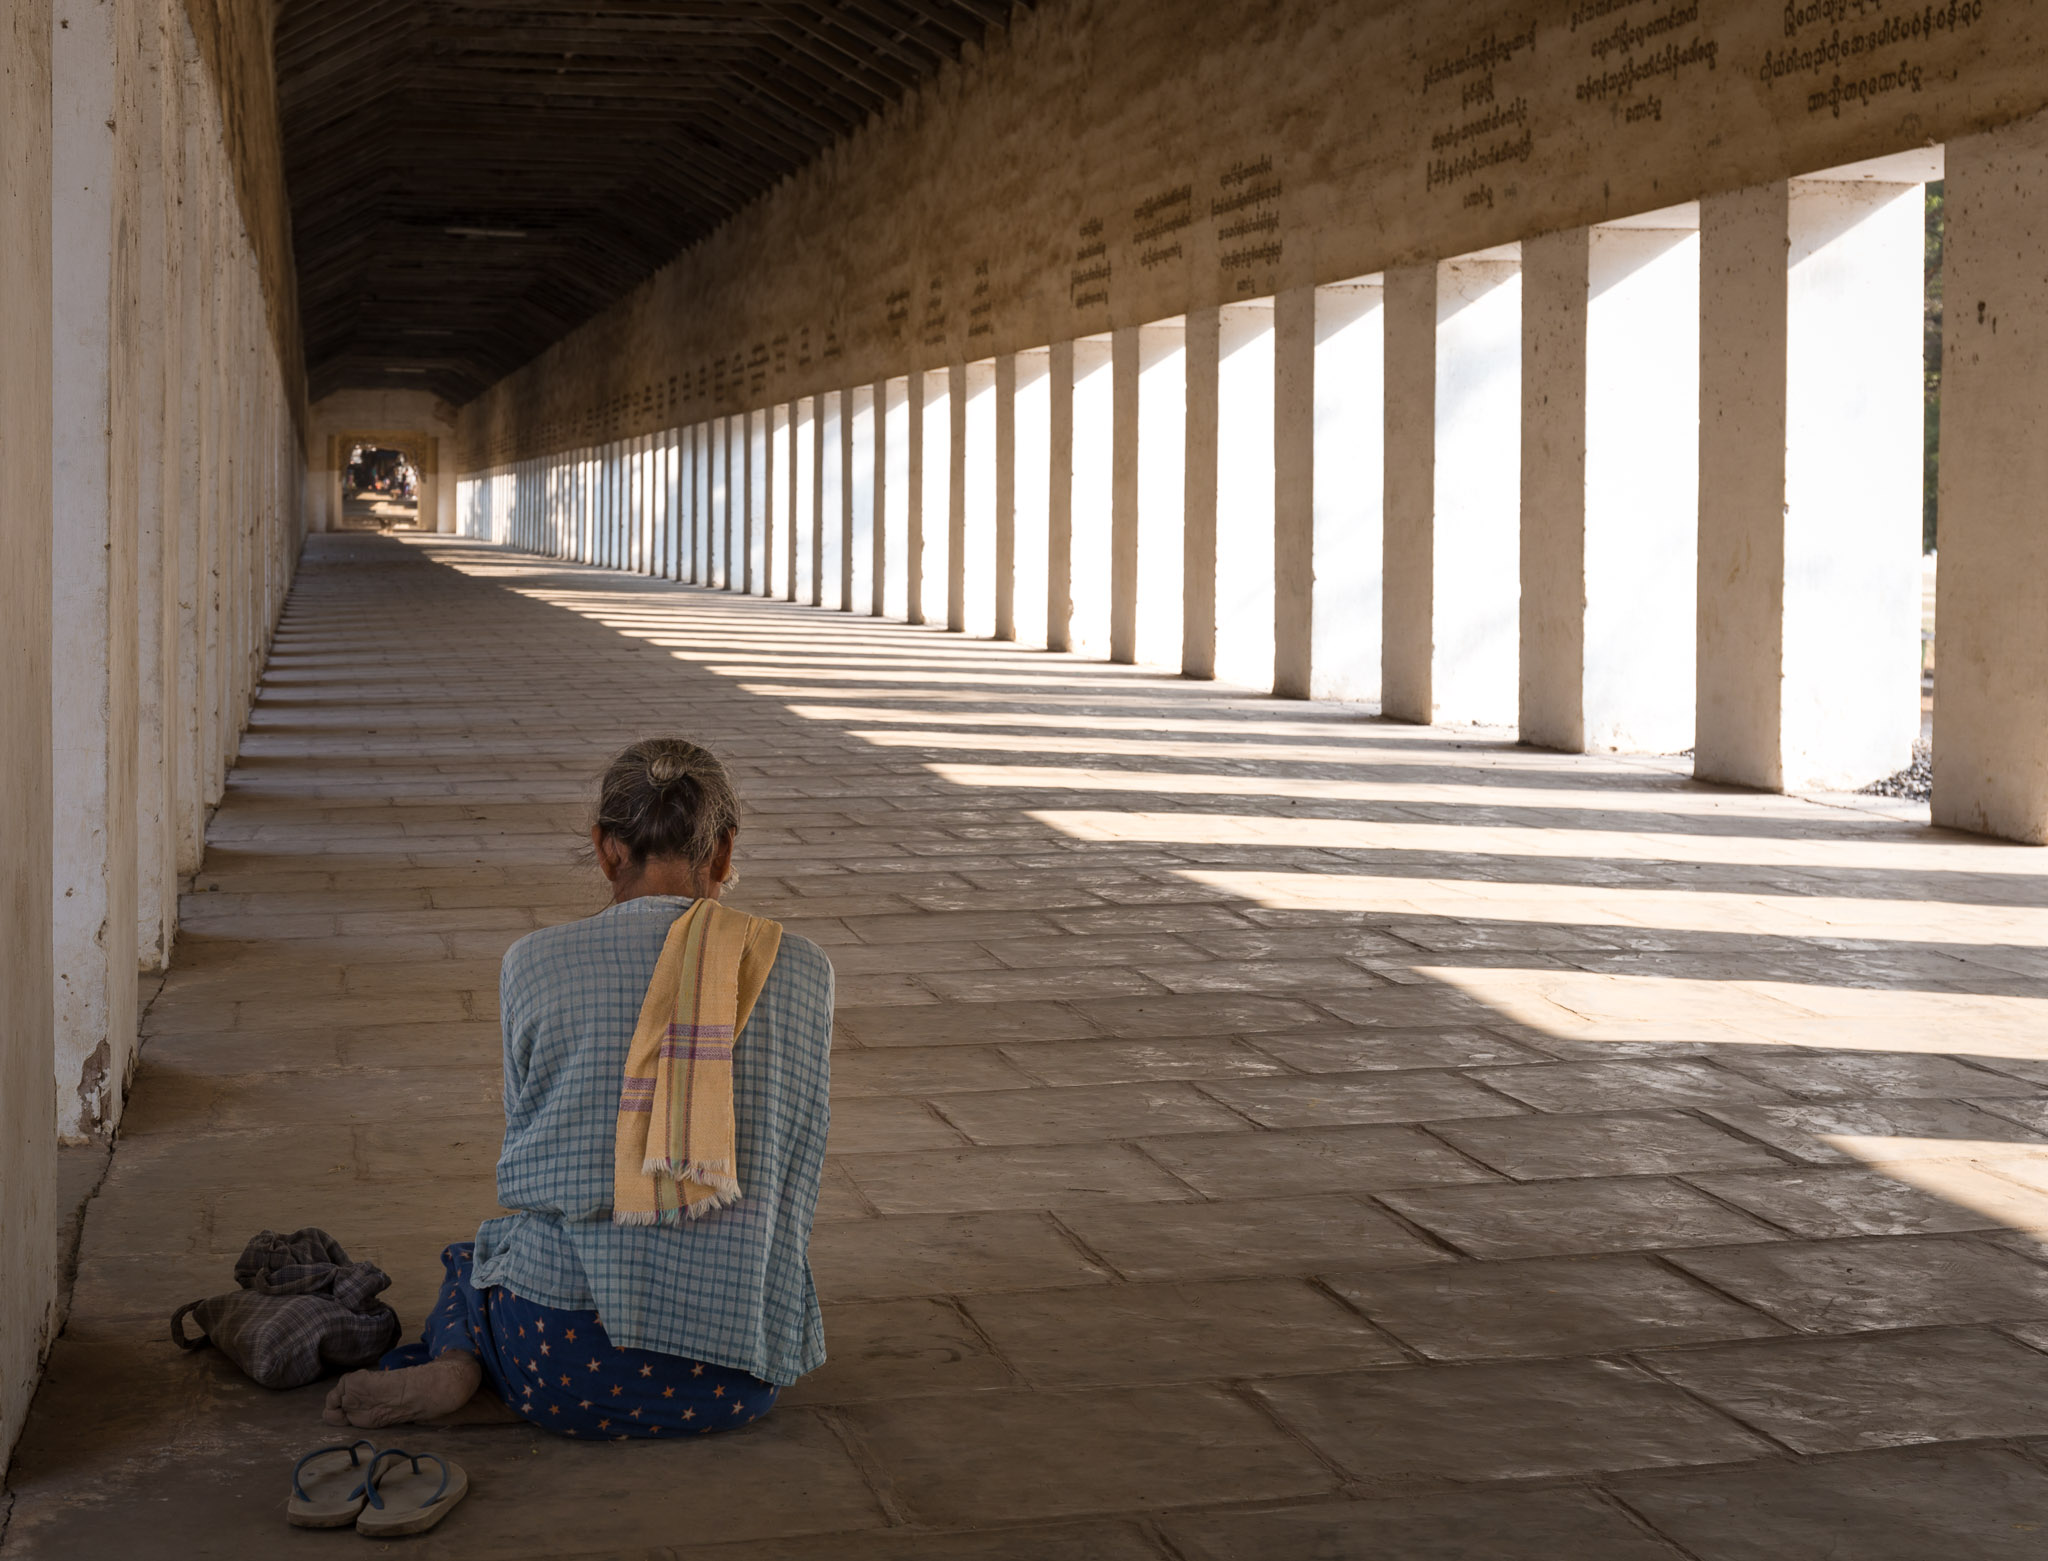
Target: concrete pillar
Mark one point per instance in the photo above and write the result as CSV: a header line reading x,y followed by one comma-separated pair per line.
x,y
1123,494
1030,404
28,1195
1809,500
792,502
1198,519
1349,481
975,559
1244,494
1610,484
1161,497
1991,634
934,568
1294,491
831,537
93,624
158,374
1059,507
913,498
804,494
956,497
1088,555
878,497
895,495
857,504
1006,497
195,449
750,505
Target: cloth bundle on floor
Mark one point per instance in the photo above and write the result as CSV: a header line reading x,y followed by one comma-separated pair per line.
x,y
676,1151
303,1310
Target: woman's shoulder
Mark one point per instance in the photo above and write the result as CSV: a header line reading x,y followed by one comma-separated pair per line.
x,y
802,972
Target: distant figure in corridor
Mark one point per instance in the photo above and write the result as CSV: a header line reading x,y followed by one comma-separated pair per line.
x,y
666,1070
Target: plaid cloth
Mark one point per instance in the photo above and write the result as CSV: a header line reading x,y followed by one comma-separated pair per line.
x,y
303,1310
733,1288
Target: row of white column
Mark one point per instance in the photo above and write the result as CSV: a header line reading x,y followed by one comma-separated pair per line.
x,y
175,479
1644,486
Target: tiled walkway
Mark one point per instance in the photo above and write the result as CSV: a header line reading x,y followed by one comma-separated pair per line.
x,y
1258,1132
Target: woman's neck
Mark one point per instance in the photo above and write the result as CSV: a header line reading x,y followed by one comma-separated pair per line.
x,y
683,880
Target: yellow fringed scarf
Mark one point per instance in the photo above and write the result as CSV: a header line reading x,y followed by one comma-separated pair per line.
x,y
675,1148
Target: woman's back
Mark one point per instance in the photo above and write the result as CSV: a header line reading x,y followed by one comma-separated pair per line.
x,y
732,1287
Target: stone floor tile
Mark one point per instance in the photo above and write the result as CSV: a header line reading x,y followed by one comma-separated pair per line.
x,y
1987,1503
1209,1014
860,959
996,1457
1850,1132
1096,1541
1556,1219
1081,1113
1823,1202
1167,1241
1843,1286
1076,951
882,1122
899,1349
945,1254
1306,976
1033,1176
1130,1062
1331,1099
2029,1113
1646,1143
1327,943
880,991
963,1024
934,1070
1545,1307
1872,1390
1048,983
1625,1086
1472,1525
960,926
1150,918
1179,1333
1523,1420
1357,1051
1864,1075
1327,1159
839,1198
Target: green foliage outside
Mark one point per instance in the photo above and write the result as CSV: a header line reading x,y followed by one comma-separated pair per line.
x,y
1930,331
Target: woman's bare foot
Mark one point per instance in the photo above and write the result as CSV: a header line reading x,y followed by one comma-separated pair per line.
x,y
414,1393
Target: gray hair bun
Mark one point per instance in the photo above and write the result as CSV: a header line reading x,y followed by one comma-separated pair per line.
x,y
667,797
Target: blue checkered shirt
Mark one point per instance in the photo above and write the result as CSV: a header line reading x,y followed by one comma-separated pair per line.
x,y
733,1287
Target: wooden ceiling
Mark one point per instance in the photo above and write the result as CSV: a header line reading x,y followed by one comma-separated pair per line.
x,y
471,181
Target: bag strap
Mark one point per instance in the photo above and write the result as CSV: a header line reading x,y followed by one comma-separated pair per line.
x,y
178,1332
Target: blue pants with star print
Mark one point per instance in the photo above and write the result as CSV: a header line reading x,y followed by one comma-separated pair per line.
x,y
559,1370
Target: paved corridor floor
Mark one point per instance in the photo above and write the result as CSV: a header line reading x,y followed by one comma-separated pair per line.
x,y
1258,1132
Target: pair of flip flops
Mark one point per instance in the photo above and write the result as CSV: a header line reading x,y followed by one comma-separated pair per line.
x,y
386,1494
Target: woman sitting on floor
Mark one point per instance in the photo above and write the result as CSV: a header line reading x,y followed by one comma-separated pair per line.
x,y
666,1063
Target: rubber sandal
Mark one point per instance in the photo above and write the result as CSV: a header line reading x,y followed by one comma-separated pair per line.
x,y
329,1497
403,1499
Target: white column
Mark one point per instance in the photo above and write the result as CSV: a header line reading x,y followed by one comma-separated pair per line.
x,y
1123,494
1059,504
1991,630
1349,488
976,567
1031,411
898,494
913,497
1162,480
1198,517
1088,556
1244,494
831,548
781,426
1610,483
878,496
28,1194
93,625
936,485
1809,504
956,497
1006,497
804,531
1294,491
857,445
